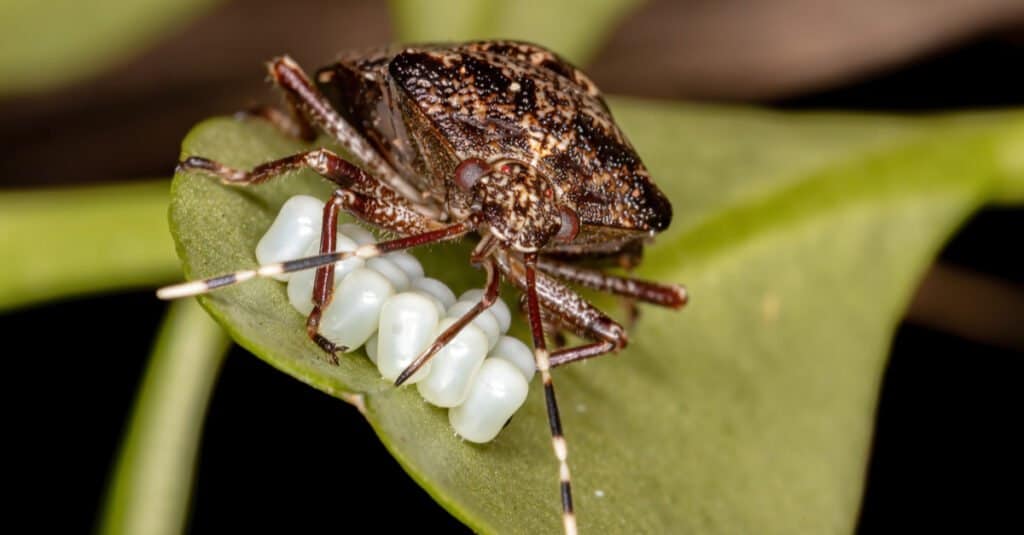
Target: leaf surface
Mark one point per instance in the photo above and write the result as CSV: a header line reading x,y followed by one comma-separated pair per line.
x,y
801,237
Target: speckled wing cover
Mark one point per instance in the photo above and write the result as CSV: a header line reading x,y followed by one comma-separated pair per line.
x,y
429,107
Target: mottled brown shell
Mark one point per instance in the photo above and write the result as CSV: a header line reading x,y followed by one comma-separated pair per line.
x,y
427,108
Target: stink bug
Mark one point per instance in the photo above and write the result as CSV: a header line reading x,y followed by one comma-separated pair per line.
x,y
501,140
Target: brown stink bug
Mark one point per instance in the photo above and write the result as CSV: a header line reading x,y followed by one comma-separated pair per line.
x,y
502,140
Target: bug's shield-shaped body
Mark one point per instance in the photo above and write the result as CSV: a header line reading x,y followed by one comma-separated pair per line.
x,y
426,109
499,138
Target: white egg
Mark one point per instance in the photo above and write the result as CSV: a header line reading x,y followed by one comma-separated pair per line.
x,y
499,309
408,263
371,348
407,326
300,286
372,306
437,303
296,226
436,288
516,353
485,320
352,316
494,396
392,272
358,234
454,367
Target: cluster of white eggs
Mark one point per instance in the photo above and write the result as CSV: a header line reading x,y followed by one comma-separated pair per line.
x,y
387,304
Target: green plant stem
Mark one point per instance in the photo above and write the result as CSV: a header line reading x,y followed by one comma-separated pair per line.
x,y
150,489
84,240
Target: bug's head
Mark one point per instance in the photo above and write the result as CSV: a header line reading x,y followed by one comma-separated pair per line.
x,y
518,205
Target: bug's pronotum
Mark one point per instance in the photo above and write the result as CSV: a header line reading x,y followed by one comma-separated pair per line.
x,y
501,140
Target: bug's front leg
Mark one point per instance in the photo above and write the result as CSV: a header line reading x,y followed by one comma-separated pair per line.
x,y
392,213
360,195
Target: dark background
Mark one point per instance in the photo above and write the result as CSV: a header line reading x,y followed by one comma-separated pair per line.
x,y
950,401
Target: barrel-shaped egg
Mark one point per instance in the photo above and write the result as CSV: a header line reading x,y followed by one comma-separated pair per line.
x,y
516,353
407,326
485,321
351,318
499,309
296,226
300,286
455,366
496,394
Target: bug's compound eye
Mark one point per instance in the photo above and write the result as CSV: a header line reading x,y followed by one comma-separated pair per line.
x,y
570,225
469,172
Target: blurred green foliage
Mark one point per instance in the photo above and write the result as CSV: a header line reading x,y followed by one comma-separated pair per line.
x,y
49,43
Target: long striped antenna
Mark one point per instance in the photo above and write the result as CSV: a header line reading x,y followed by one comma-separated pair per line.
x,y
202,286
370,250
542,359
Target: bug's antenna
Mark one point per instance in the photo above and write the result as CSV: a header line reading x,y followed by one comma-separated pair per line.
x,y
540,355
202,286
370,250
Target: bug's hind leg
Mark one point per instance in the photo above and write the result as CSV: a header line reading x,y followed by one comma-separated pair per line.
x,y
666,295
293,125
311,104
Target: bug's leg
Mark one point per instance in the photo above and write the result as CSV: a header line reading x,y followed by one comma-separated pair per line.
x,y
561,304
666,295
490,295
292,125
306,98
540,355
324,162
554,329
323,283
391,214
370,250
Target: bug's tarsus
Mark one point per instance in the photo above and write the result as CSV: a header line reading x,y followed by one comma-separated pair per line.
x,y
541,358
329,347
489,297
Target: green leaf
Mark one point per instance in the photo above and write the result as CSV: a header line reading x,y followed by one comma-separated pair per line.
x,y
800,237
573,28
77,241
44,44
151,486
